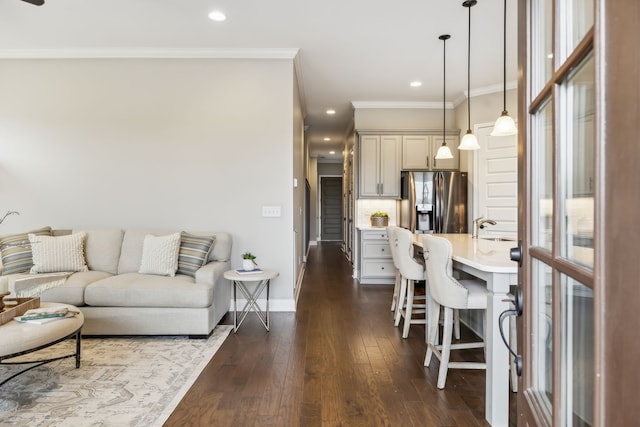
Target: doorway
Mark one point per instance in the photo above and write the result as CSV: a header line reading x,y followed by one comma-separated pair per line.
x,y
330,208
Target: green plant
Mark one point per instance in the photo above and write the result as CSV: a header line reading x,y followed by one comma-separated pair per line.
x,y
379,214
248,255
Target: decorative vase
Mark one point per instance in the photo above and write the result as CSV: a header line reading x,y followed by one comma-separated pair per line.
x,y
248,264
379,221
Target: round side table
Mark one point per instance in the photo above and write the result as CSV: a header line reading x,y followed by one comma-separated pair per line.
x,y
259,281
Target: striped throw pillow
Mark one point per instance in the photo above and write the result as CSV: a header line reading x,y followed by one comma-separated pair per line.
x,y
16,251
194,252
54,254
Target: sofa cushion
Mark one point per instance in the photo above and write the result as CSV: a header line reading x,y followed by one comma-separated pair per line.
x,y
56,254
72,292
143,290
194,252
16,251
160,254
102,249
131,251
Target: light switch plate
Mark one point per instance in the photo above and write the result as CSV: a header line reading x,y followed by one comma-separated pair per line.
x,y
271,211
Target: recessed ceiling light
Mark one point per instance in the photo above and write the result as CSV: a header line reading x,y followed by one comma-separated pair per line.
x,y
550,55
217,16
332,152
415,84
331,111
327,139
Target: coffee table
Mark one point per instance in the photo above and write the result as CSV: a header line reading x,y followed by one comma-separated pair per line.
x,y
18,339
242,282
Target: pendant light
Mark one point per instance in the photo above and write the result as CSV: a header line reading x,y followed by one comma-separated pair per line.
x,y
469,141
444,152
505,125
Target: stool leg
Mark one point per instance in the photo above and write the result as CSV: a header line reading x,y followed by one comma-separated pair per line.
x,y
456,323
434,309
409,310
396,291
446,347
400,303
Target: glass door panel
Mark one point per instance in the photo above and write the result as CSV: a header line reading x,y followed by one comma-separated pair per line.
x,y
542,39
578,117
543,335
577,353
542,203
578,20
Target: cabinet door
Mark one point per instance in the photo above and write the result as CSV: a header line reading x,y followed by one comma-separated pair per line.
x,y
446,164
416,152
369,165
390,164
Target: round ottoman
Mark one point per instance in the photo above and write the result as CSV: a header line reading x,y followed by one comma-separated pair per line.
x,y
17,339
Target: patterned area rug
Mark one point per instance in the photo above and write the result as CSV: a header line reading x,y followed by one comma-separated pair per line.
x,y
134,381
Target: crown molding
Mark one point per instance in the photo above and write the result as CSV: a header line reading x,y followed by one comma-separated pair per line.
x,y
400,104
486,90
297,69
150,53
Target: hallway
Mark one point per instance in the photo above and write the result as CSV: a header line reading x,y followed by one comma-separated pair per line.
x,y
337,361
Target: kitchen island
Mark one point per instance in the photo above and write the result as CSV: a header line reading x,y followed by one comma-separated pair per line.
x,y
488,259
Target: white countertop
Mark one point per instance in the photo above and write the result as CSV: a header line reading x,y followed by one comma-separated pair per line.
x,y
483,254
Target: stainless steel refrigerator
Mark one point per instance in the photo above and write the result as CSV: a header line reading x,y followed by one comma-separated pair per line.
x,y
434,202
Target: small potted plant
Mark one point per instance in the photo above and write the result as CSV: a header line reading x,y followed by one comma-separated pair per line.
x,y
248,261
379,219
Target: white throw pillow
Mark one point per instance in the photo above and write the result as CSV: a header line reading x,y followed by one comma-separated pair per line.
x,y
160,254
52,254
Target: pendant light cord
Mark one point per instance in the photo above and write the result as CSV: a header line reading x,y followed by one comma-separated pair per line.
x,y
504,60
444,87
469,72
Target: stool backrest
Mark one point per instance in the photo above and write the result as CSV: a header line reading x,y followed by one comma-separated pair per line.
x,y
444,288
391,236
408,266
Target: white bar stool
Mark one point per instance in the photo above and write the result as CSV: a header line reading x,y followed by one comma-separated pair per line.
x,y
450,294
410,272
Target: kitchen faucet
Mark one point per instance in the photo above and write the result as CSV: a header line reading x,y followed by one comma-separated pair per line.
x,y
478,224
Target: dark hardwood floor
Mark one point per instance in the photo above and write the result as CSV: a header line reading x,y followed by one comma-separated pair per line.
x,y
337,361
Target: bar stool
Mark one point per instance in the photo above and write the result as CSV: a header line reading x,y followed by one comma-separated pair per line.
x,y
391,235
410,272
449,293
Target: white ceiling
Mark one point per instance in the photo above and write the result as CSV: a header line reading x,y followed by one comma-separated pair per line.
x,y
349,50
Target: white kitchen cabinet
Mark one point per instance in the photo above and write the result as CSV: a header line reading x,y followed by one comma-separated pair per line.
x,y
380,165
419,152
376,265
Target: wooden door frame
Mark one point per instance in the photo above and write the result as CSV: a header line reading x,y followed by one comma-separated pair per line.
x,y
617,227
617,343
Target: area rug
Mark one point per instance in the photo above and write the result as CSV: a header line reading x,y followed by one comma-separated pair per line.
x,y
129,381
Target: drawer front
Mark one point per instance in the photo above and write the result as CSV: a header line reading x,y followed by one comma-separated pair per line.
x,y
375,234
377,268
376,250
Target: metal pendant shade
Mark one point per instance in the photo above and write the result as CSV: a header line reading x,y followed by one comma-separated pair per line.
x,y
469,141
505,125
444,152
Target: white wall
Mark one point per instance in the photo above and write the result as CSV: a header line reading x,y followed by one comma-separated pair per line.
x,y
187,144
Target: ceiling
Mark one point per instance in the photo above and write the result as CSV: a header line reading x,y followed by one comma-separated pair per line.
x,y
349,51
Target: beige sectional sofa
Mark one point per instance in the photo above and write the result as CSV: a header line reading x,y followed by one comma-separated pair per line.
x,y
116,299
